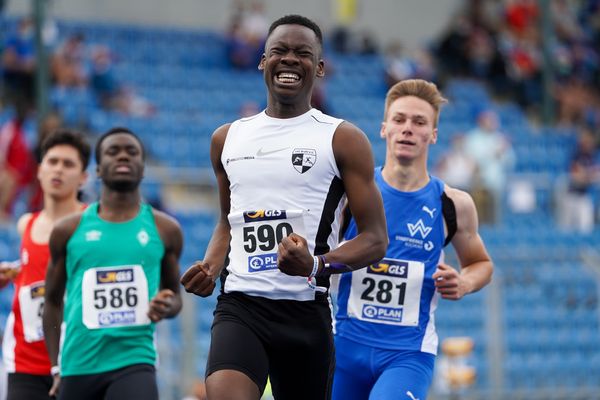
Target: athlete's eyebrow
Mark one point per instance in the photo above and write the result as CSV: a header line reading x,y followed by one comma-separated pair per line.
x,y
413,116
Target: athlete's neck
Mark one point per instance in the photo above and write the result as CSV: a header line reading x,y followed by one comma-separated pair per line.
x,y
119,206
281,110
405,177
56,209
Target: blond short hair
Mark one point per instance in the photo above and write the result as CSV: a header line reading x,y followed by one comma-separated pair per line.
x,y
420,88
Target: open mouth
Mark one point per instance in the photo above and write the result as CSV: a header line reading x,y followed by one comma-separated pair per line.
x,y
287,78
406,143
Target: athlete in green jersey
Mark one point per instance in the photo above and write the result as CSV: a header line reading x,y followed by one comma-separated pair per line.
x,y
118,262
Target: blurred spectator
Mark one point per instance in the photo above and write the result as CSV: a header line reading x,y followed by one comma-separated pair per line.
x,y
246,34
345,41
366,43
109,92
18,63
577,206
495,158
102,77
69,62
17,165
573,97
564,19
456,167
341,41
521,15
399,66
451,51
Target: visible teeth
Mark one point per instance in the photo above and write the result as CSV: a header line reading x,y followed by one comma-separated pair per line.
x,y
288,77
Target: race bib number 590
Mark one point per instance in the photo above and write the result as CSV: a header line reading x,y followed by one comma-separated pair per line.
x,y
259,233
115,296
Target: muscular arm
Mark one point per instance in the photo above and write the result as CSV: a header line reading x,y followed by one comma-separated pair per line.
x,y
200,277
167,303
476,266
355,161
56,279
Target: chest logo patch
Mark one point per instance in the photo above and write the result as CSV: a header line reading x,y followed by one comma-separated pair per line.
x,y
143,237
303,159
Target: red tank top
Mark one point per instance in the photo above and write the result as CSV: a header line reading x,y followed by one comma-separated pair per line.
x,y
24,348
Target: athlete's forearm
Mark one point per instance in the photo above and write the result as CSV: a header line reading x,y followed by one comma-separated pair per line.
x,y
52,319
477,275
365,249
217,249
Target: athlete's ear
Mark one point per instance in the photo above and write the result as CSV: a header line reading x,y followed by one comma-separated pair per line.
x,y
261,64
320,69
382,131
434,136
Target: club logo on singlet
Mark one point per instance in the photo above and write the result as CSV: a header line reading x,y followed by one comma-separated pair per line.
x,y
143,237
303,159
420,228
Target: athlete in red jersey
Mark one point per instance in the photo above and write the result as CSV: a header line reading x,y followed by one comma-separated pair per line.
x,y
62,171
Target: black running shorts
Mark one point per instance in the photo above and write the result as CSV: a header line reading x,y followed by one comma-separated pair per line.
x,y
289,341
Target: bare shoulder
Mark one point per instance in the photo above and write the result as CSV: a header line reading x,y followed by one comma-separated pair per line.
x,y
464,205
63,229
348,131
22,222
349,143
220,133
165,221
462,200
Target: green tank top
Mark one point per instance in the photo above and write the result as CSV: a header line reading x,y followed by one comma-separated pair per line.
x,y
113,270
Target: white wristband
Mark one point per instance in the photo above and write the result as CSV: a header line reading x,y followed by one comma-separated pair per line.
x,y
315,267
55,370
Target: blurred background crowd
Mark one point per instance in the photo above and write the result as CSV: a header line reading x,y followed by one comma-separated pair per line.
x,y
520,133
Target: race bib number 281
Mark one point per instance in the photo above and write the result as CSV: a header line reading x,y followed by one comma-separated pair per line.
x,y
388,292
114,297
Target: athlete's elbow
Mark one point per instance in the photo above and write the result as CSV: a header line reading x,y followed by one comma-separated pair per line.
x,y
379,247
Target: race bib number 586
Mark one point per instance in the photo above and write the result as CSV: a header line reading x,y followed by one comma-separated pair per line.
x,y
115,296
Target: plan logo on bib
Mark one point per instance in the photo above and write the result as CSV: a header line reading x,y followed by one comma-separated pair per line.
x,y
303,159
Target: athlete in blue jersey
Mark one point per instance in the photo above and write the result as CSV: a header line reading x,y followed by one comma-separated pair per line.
x,y
385,335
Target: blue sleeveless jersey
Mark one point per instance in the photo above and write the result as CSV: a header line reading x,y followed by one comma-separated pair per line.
x,y
391,304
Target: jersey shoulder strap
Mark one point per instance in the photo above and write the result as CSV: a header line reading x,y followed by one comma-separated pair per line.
x,y
449,213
